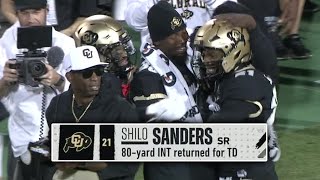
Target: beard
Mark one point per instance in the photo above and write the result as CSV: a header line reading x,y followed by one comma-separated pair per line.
x,y
179,59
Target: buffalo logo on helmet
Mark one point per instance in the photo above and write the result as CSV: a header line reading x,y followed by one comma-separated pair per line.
x,y
176,22
89,38
78,140
235,36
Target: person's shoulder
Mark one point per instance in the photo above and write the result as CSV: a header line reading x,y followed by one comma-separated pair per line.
x,y
110,84
145,76
115,101
62,38
10,33
246,84
242,78
146,70
61,96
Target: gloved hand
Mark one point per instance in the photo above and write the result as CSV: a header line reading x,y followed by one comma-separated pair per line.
x,y
169,109
273,144
274,153
213,106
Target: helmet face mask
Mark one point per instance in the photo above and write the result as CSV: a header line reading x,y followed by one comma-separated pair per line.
x,y
117,59
212,61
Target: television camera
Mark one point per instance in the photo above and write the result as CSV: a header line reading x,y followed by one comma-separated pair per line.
x,y
31,63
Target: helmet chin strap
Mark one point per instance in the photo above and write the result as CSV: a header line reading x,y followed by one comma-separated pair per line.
x,y
243,66
124,69
211,79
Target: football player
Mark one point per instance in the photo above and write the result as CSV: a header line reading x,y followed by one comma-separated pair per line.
x,y
113,43
242,94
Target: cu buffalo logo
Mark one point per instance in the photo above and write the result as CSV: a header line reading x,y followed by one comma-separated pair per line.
x,y
78,140
176,22
89,38
235,36
187,14
87,53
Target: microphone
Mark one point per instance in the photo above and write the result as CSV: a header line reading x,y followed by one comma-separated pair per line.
x,y
55,56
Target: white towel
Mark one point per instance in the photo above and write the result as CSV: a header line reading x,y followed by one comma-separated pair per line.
x,y
175,85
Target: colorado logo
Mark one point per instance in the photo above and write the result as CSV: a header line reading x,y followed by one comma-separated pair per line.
x,y
89,38
235,36
187,14
175,22
78,140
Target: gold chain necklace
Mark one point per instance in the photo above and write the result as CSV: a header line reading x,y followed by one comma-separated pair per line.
x,y
84,112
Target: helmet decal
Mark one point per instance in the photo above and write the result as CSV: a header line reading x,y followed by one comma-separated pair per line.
x,y
89,38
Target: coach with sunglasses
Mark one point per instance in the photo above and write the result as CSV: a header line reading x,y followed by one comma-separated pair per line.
x,y
87,101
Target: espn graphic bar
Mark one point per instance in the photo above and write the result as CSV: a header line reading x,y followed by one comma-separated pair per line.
x,y
159,142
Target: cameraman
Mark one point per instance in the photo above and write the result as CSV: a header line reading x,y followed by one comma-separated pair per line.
x,y
27,104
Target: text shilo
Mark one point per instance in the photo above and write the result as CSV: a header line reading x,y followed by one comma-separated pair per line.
x,y
134,134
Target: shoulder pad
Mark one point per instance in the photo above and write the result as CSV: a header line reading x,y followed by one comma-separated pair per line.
x,y
145,65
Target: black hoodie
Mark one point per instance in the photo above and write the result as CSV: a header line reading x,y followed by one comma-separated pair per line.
x,y
107,107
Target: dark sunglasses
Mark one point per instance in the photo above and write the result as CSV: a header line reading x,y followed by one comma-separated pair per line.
x,y
87,73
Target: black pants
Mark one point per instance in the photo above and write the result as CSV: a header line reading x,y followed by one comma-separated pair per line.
x,y
179,171
12,163
17,170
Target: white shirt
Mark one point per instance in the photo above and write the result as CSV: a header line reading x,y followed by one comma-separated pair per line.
x,y
52,13
24,104
196,14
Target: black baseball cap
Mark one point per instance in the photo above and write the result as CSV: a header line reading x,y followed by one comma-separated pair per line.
x,y
30,4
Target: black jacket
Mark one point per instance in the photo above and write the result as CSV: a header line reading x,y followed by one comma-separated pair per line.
x,y
107,107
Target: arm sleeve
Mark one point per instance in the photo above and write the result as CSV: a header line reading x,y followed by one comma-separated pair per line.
x,y
146,88
233,111
136,13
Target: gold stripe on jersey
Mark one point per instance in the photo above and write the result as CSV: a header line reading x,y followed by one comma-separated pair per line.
x,y
151,97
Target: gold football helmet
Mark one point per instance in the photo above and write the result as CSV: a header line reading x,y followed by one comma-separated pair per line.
x,y
103,30
220,48
112,41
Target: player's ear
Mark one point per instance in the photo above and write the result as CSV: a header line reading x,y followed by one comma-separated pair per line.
x,y
69,76
156,43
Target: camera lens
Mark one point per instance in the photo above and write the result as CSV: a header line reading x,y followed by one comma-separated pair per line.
x,y
37,68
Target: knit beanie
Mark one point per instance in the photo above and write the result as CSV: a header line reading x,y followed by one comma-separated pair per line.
x,y
30,4
164,20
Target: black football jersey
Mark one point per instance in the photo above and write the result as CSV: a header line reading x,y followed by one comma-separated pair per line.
x,y
245,96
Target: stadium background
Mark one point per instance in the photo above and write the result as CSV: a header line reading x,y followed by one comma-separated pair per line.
x,y
298,114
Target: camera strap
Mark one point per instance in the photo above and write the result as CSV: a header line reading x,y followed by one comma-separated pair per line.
x,y
43,111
